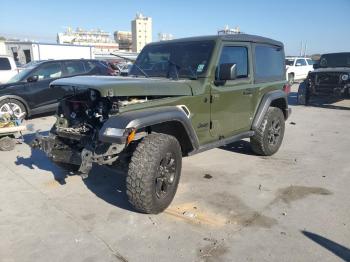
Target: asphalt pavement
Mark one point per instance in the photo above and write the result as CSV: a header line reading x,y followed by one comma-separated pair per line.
x,y
231,205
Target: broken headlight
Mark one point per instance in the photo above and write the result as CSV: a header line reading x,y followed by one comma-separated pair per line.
x,y
115,132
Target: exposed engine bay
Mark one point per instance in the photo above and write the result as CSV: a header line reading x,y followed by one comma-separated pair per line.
x,y
74,137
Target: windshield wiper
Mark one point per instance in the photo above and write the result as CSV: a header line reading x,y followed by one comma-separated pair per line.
x,y
134,64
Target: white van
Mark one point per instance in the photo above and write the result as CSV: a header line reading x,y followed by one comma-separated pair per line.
x,y
8,68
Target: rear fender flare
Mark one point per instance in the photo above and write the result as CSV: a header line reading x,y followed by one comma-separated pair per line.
x,y
266,102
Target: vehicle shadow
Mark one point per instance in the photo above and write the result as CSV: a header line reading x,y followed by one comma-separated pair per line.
x,y
109,185
293,99
241,147
106,183
337,249
38,159
319,101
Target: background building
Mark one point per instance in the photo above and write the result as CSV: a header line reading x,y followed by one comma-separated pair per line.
x,y
141,28
165,36
124,40
100,40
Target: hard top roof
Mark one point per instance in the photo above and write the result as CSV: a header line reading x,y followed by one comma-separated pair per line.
x,y
227,37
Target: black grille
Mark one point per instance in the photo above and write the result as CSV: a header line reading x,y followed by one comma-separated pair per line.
x,y
328,78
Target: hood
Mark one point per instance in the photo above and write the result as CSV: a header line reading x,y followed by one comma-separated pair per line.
x,y
332,70
9,85
128,86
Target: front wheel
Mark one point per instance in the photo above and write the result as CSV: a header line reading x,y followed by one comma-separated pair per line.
x,y
13,107
154,173
269,135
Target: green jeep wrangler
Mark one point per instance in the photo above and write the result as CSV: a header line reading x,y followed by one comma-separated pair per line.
x,y
181,97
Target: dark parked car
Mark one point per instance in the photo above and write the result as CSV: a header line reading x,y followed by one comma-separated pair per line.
x,y
29,92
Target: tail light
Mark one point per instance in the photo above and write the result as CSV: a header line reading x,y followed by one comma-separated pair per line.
x,y
286,88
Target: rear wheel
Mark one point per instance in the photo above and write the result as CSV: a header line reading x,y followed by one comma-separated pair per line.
x,y
269,135
154,173
13,107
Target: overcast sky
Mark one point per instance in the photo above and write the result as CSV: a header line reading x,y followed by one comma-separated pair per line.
x,y
323,24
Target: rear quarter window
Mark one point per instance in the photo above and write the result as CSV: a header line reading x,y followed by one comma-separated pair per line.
x,y
4,64
269,63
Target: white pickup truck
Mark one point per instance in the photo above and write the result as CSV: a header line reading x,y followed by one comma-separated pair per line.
x,y
297,68
8,68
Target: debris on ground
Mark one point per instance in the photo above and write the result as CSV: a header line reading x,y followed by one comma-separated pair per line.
x,y
154,223
189,214
292,123
208,176
284,213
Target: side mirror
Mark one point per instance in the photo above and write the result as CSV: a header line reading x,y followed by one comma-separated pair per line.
x,y
33,78
315,66
227,72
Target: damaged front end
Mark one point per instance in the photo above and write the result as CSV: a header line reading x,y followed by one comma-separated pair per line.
x,y
76,136
331,82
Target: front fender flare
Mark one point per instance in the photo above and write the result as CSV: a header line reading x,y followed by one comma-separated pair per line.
x,y
147,117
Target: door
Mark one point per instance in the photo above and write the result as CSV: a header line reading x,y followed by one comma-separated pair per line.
x,y
39,92
231,102
5,70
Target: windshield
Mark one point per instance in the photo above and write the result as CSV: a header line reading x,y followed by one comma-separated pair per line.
x,y
289,62
335,60
20,75
181,59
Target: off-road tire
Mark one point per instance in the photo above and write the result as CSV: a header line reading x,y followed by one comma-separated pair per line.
x,y
261,141
7,143
17,103
145,173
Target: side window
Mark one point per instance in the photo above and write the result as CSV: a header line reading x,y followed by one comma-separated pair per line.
x,y
4,64
92,68
310,61
236,55
269,63
301,62
74,67
48,71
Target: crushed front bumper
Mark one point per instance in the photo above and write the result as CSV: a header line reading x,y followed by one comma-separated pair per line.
x,y
55,149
